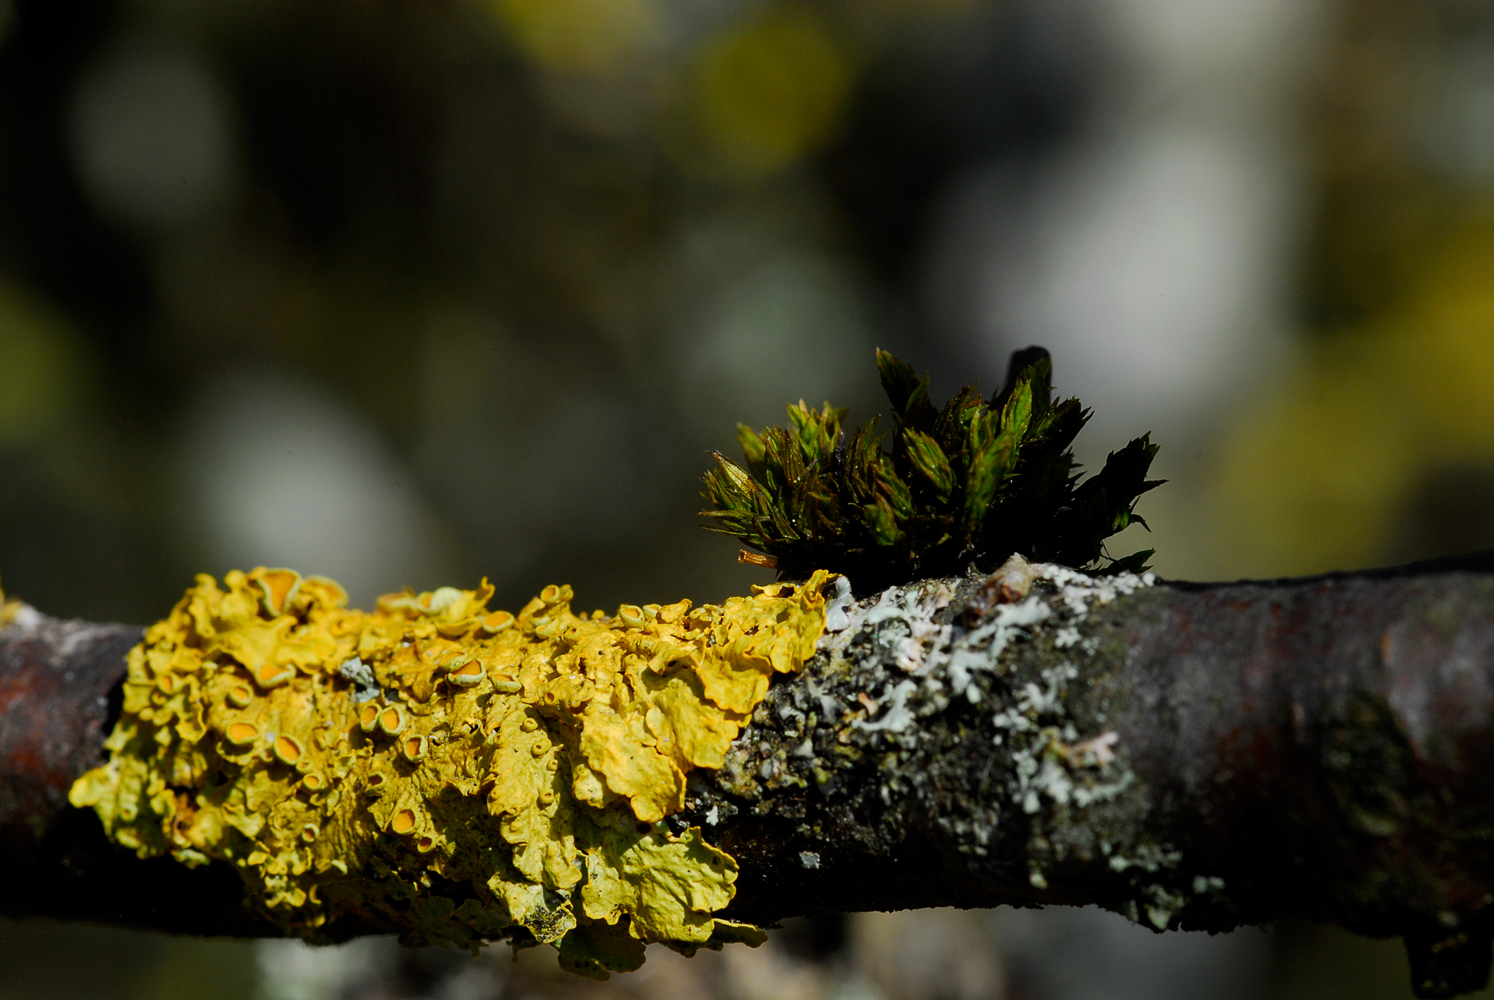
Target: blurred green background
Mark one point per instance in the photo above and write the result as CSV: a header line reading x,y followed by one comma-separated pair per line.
x,y
411,292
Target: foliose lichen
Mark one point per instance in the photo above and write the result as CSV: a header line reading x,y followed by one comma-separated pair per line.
x,y
8,609
978,710
462,774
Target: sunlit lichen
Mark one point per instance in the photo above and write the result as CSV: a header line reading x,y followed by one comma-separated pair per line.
x,y
8,609
462,774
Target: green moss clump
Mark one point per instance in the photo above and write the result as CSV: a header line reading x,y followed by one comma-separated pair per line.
x,y
969,483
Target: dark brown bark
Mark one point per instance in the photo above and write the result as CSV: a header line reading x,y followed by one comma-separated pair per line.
x,y
1195,756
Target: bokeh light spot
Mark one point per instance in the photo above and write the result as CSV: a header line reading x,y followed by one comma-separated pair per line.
x,y
582,36
151,131
767,94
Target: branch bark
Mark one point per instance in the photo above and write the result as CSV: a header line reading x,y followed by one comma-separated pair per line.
x,y
1193,756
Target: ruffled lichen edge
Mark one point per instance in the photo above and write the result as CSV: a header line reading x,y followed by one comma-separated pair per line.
x,y
460,774
8,609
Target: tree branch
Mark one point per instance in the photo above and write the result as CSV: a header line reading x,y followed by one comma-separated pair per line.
x,y
1193,756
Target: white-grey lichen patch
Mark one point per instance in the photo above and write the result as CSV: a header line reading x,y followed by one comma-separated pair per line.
x,y
1146,857
836,608
365,688
1056,771
897,716
981,648
1203,884
941,662
25,619
1079,590
809,859
971,704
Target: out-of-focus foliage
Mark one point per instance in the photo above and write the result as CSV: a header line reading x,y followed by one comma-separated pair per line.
x,y
1336,459
469,280
1375,442
971,483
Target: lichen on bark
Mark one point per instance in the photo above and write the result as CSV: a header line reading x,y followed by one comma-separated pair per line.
x,y
971,709
1316,747
8,609
460,774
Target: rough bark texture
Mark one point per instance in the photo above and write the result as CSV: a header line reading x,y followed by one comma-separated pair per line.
x,y
1194,756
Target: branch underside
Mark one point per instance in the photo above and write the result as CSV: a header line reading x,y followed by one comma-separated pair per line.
x,y
1195,757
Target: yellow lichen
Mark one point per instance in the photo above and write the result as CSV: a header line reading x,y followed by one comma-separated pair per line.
x,y
8,609
463,774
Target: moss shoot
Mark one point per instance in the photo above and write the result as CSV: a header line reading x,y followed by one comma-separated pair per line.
x,y
969,483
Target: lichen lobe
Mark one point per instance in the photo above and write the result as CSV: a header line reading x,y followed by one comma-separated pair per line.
x,y
964,732
460,774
